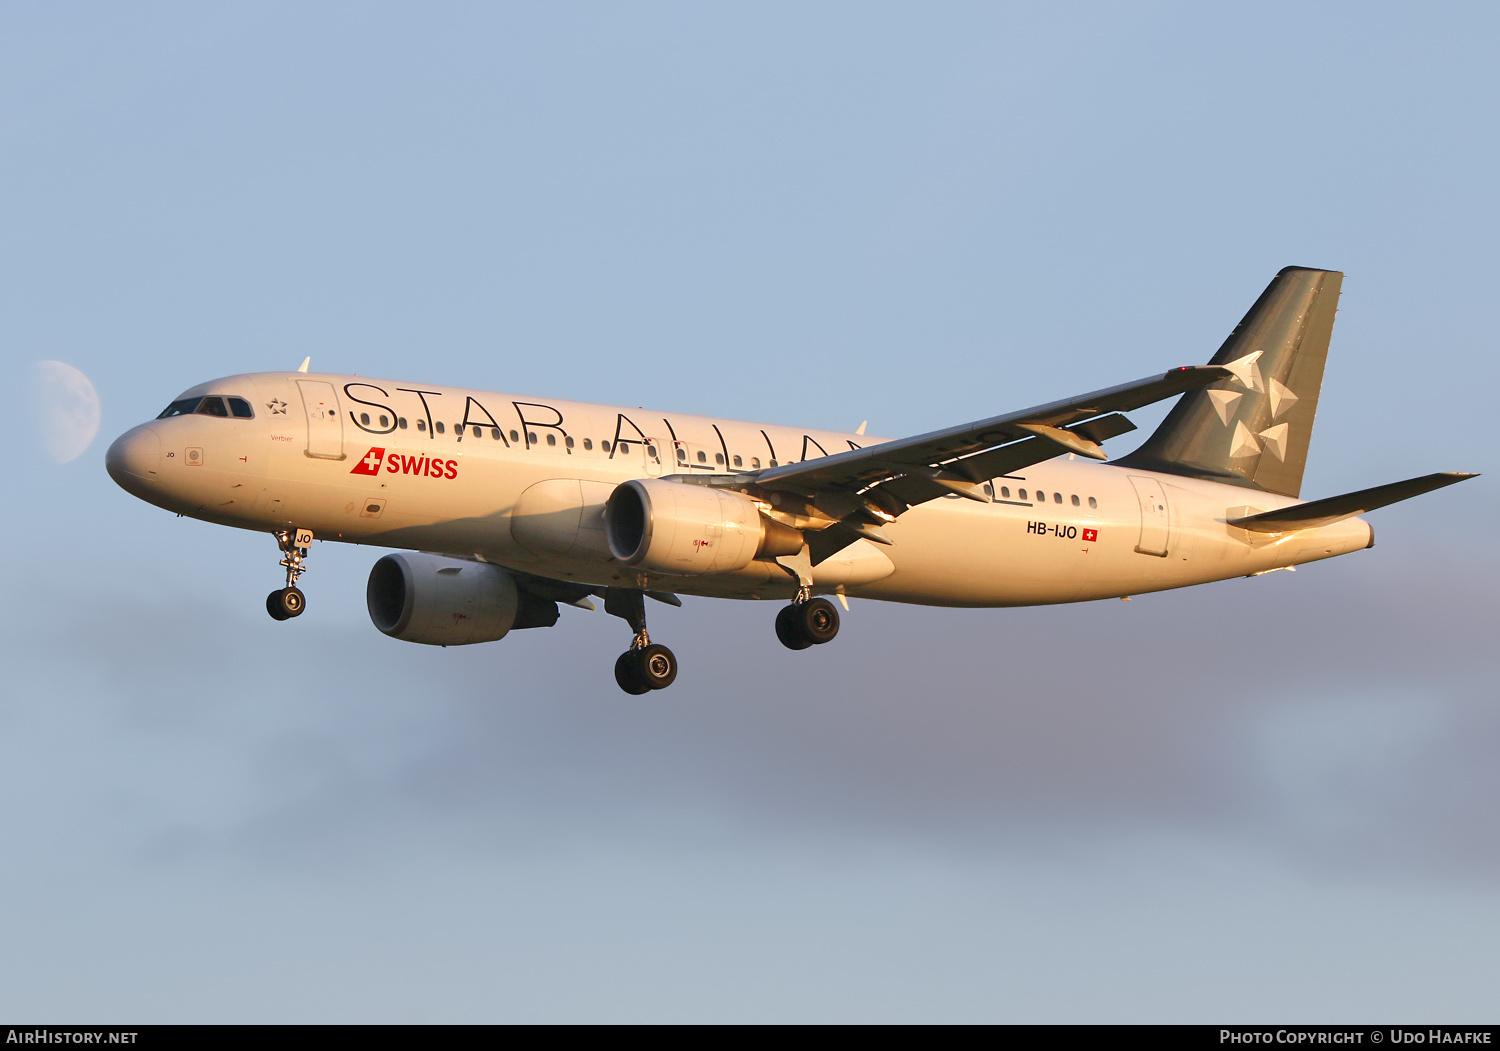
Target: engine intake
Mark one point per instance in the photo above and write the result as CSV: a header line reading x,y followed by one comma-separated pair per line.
x,y
674,527
441,601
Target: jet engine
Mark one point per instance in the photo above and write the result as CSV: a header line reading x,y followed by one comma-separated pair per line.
x,y
449,601
674,527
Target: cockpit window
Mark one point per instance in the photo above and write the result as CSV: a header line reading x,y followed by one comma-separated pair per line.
x,y
180,408
213,405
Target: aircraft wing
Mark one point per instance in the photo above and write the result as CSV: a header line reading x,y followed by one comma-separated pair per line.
x,y
864,488
959,459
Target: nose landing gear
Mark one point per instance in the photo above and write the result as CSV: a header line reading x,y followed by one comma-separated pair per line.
x,y
809,622
286,603
289,602
647,665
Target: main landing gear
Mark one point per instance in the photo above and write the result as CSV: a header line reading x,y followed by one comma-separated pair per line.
x,y
646,665
289,602
807,622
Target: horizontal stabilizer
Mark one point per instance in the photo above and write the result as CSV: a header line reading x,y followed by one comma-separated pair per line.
x,y
1334,508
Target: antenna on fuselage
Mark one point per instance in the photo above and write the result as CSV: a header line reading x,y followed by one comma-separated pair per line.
x,y
305,362
862,426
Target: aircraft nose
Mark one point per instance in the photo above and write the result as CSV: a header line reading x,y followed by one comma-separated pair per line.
x,y
134,458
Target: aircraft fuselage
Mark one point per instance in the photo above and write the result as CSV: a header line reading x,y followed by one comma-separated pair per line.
x,y
521,482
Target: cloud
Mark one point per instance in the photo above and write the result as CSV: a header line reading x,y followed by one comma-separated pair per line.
x,y
1308,715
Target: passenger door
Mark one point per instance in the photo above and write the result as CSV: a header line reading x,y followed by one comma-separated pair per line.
x,y
1156,516
325,428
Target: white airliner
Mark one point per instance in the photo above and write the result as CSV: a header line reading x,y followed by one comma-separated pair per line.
x,y
514,504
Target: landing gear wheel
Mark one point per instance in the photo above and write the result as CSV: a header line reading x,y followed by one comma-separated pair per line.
x,y
817,620
286,603
804,624
655,665
627,674
289,602
788,630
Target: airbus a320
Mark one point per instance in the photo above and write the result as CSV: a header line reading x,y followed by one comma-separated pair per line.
x,y
504,506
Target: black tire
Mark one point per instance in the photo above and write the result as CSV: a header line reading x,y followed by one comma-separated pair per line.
x,y
293,602
627,674
656,666
273,606
789,631
817,620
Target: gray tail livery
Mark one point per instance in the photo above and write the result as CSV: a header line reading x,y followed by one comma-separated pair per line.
x,y
1254,428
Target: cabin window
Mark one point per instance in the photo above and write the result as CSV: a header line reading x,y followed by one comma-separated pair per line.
x,y
604,447
421,425
1005,492
1057,498
681,455
719,459
588,444
438,426
385,421
1093,502
531,437
738,462
496,435
551,438
622,447
401,422
651,451
1075,499
364,418
773,463
702,456
568,441
1021,493
755,462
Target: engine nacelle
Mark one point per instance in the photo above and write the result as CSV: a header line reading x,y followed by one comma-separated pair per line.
x,y
674,527
441,601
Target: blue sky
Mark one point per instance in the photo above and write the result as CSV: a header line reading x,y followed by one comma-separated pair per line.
x,y
1261,799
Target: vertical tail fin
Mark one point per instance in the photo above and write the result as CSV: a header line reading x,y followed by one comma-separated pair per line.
x,y
1254,429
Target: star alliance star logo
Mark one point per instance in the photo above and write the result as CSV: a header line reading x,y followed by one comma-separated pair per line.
x,y
277,407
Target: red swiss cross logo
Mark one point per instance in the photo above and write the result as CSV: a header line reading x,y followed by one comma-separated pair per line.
x,y
1091,534
371,463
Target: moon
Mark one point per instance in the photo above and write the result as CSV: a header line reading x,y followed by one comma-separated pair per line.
x,y
66,406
